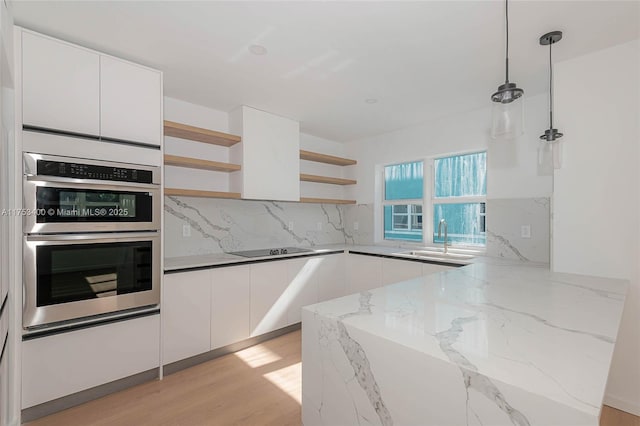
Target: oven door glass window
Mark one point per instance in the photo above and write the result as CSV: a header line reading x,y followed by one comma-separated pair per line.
x,y
59,205
73,272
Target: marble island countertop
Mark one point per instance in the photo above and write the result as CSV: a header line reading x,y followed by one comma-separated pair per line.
x,y
489,343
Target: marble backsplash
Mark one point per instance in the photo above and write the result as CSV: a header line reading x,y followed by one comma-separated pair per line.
x,y
221,225
505,217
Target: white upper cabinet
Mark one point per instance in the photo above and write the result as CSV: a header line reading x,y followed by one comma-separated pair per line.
x,y
67,88
60,86
269,154
131,102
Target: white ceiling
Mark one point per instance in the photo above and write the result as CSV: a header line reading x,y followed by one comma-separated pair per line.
x,y
421,60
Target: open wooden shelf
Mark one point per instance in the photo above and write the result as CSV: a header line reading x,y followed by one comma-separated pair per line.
x,y
200,194
197,163
326,201
326,179
184,131
324,158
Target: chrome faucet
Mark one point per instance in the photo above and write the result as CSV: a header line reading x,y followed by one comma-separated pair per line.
x,y
440,225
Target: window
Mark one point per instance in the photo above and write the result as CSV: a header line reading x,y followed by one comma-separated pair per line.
x,y
459,196
403,194
456,193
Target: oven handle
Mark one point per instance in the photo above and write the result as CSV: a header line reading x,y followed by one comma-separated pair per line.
x,y
103,237
89,183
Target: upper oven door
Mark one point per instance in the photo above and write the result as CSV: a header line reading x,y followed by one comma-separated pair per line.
x,y
113,197
55,207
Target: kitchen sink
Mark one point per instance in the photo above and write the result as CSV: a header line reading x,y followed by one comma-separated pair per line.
x,y
436,254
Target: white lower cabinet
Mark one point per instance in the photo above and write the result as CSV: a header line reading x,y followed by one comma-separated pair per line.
x,y
4,388
186,315
394,271
208,309
430,268
230,305
269,303
62,364
332,277
363,273
302,285
280,289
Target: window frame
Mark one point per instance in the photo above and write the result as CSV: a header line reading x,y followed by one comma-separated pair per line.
x,y
428,202
403,202
410,215
472,199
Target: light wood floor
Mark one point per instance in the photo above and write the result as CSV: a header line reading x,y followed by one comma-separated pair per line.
x,y
260,385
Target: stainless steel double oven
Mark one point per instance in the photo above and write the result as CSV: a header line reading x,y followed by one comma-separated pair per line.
x,y
91,239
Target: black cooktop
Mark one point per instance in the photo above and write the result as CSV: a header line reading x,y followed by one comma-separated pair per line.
x,y
270,252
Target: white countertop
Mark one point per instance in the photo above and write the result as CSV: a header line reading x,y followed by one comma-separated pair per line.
x,y
550,334
220,259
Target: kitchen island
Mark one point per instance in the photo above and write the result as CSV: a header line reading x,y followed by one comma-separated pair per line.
x,y
491,343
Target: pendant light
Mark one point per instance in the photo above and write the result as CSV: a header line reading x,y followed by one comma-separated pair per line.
x,y
508,105
550,149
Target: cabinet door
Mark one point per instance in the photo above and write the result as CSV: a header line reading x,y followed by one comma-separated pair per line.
x,y
60,86
363,273
269,303
186,315
331,277
230,305
394,271
62,364
302,285
270,155
130,103
430,268
4,388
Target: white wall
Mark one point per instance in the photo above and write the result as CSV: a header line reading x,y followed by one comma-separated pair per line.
x,y
596,219
512,164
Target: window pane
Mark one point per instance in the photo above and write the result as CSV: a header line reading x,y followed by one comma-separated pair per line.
x,y
416,222
403,181
400,222
461,175
400,209
416,209
465,223
402,226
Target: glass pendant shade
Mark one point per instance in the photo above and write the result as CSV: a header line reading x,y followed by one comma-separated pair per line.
x,y
549,157
550,149
508,119
508,104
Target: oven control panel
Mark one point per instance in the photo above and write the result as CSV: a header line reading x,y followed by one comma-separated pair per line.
x,y
92,171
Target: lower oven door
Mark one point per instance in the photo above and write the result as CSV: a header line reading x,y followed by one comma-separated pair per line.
x,y
71,277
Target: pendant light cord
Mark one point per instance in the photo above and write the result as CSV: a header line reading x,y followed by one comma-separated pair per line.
x,y
550,87
506,55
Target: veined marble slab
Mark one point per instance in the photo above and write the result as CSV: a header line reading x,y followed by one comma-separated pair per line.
x,y
504,220
220,225
486,344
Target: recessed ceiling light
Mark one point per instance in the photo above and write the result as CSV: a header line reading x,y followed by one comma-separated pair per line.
x,y
371,101
257,49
